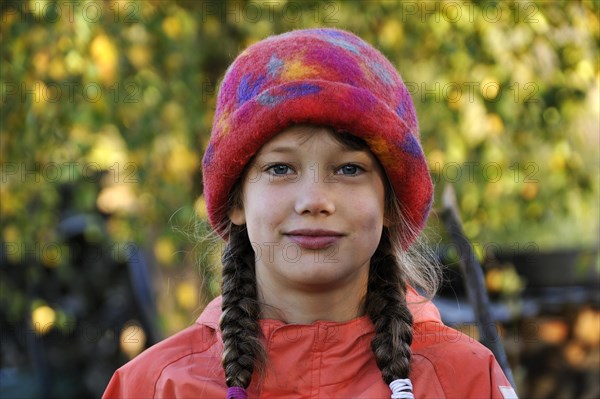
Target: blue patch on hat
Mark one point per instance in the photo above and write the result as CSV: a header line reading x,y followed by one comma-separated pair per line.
x,y
411,145
274,66
249,87
208,155
380,71
343,44
401,110
339,39
331,33
288,93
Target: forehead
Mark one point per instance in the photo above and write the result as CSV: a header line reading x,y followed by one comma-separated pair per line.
x,y
300,135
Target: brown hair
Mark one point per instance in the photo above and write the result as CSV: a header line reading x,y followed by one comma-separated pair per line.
x,y
240,330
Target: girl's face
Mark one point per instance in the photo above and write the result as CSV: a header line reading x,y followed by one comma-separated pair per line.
x,y
314,211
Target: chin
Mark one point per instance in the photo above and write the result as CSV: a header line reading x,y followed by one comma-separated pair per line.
x,y
321,275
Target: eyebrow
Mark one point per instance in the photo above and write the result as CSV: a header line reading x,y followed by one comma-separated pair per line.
x,y
282,149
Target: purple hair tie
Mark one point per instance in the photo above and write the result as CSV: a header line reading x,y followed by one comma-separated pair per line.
x,y
236,393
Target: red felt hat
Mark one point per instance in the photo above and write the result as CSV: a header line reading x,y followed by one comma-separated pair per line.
x,y
323,77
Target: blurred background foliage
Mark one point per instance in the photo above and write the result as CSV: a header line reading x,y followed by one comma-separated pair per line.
x,y
106,107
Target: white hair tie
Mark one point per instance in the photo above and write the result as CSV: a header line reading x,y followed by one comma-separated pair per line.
x,y
402,389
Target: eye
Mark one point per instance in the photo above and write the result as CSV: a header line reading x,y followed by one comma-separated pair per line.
x,y
279,169
350,169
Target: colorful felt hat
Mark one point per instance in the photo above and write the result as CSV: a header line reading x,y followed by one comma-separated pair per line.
x,y
322,77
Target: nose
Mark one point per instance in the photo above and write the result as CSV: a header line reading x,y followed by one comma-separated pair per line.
x,y
315,198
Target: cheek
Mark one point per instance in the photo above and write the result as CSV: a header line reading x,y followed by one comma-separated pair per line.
x,y
369,210
373,223
264,209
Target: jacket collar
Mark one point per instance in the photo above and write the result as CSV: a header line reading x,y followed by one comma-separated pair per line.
x,y
422,310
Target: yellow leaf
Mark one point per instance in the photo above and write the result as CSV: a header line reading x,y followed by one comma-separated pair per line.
x,y
43,319
187,295
104,53
172,27
164,250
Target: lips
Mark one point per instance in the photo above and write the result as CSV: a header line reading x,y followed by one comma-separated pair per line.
x,y
314,238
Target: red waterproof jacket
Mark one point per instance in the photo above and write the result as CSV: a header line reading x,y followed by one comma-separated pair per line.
x,y
319,360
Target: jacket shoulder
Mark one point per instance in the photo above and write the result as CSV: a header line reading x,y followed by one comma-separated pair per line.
x,y
462,366
140,377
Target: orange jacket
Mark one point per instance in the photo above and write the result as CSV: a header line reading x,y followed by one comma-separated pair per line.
x,y
320,360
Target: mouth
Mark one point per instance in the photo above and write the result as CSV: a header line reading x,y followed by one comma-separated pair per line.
x,y
314,238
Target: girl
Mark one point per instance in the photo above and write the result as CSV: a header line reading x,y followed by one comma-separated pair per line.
x,y
315,177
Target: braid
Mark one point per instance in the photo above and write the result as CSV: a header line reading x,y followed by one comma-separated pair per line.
x,y
386,306
240,329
